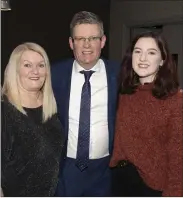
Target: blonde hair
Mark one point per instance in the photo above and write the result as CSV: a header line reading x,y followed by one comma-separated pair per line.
x,y
10,87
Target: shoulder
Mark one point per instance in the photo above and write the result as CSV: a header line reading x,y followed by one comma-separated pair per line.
x,y
114,65
9,110
178,96
5,105
175,102
7,118
61,70
61,64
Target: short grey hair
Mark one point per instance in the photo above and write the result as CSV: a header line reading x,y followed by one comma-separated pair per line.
x,y
85,17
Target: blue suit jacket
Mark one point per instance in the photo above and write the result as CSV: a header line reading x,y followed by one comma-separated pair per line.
x,y
61,83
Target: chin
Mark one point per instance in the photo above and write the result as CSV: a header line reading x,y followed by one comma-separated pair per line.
x,y
38,88
143,74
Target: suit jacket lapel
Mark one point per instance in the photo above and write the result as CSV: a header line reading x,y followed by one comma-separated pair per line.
x,y
66,93
62,92
111,80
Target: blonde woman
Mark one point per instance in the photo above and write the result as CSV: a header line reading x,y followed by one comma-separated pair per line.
x,y
32,136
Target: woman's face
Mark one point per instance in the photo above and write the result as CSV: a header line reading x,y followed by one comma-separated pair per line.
x,y
32,71
146,59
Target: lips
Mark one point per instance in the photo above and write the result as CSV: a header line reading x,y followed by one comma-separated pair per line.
x,y
143,65
34,78
87,52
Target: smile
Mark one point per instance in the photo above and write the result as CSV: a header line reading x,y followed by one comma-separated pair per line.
x,y
34,78
143,65
87,52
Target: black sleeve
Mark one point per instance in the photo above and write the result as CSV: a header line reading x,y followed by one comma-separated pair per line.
x,y
6,144
6,135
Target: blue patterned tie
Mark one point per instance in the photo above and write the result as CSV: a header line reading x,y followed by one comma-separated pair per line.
x,y
82,157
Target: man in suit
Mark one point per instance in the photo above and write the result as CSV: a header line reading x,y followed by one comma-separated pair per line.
x,y
85,89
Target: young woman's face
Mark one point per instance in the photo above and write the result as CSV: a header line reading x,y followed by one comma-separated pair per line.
x,y
146,59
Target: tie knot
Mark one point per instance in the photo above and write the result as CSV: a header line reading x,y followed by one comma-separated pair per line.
x,y
87,74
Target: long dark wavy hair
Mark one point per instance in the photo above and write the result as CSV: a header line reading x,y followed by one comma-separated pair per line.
x,y
166,80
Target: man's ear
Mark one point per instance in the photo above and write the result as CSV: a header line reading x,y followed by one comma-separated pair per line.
x,y
71,43
103,40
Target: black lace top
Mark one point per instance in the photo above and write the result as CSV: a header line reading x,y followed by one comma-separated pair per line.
x,y
31,152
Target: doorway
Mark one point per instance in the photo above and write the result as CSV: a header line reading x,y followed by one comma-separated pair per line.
x,y
172,32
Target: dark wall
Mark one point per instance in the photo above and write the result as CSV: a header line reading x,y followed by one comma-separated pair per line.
x,y
46,22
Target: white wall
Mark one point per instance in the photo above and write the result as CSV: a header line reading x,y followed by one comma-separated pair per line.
x,y
136,13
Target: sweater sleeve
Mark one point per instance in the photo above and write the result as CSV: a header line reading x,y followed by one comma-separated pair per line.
x,y
174,185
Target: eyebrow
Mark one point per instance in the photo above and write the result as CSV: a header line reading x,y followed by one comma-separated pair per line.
x,y
148,48
31,62
87,37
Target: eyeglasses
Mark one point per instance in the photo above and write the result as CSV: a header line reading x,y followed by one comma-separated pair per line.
x,y
91,39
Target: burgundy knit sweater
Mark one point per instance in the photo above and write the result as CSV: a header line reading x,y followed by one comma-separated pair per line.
x,y
149,133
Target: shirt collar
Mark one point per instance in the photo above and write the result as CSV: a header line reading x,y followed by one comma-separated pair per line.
x,y
96,67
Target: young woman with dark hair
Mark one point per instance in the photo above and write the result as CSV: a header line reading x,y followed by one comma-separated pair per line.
x,y
147,157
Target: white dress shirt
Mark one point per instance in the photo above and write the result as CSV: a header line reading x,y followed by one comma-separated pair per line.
x,y
99,134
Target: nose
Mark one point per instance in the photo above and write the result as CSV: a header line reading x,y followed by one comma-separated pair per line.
x,y
143,57
87,43
35,70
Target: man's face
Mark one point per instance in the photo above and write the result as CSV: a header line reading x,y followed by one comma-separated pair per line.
x,y
86,44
